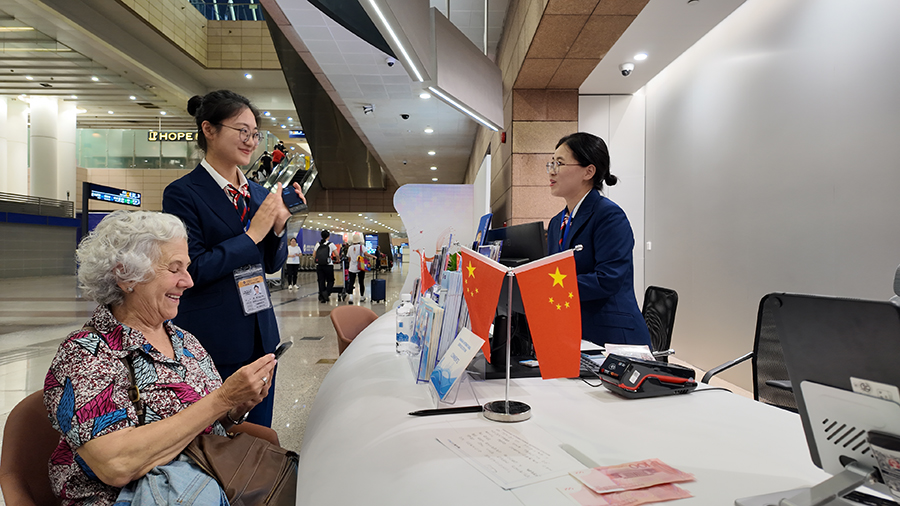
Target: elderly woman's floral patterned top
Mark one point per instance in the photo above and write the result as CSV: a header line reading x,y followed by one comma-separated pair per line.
x,y
86,394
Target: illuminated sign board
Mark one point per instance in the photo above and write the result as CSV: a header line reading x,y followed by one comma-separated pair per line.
x,y
116,195
155,135
296,133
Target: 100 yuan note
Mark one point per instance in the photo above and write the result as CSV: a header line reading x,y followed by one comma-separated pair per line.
x,y
630,476
585,497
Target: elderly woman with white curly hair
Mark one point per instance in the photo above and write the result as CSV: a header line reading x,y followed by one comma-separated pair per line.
x,y
134,265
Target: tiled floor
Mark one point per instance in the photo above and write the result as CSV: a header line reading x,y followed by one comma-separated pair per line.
x,y
37,313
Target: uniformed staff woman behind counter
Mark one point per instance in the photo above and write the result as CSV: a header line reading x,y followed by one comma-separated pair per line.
x,y
235,232
609,310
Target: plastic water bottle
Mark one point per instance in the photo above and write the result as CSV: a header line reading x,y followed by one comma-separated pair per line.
x,y
406,316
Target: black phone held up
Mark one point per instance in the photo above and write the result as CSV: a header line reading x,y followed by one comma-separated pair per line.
x,y
283,347
292,200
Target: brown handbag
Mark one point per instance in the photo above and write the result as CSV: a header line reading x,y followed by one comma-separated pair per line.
x,y
251,470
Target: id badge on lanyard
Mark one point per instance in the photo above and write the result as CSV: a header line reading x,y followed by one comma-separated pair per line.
x,y
251,284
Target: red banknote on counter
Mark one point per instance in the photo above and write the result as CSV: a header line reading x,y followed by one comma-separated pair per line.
x,y
659,493
630,476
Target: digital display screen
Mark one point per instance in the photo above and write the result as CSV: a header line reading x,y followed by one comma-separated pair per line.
x,y
371,242
116,195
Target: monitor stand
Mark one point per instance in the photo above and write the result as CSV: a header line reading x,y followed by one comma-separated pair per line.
x,y
827,493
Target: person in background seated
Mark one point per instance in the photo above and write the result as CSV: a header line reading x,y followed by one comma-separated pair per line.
x,y
609,310
135,265
236,235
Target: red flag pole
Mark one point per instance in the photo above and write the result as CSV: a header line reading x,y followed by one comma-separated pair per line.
x,y
507,410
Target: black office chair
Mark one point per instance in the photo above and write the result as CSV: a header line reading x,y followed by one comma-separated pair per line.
x,y
771,383
659,313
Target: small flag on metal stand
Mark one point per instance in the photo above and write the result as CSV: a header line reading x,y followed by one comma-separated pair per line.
x,y
549,290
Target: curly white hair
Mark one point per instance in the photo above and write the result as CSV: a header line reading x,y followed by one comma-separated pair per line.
x,y
123,248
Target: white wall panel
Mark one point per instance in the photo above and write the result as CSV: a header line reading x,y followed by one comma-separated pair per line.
x,y
619,120
772,160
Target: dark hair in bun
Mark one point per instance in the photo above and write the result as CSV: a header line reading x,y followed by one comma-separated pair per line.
x,y
216,107
588,149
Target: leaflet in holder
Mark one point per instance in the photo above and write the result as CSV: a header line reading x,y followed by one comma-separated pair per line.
x,y
634,378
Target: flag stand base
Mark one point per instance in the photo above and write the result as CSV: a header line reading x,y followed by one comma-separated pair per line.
x,y
507,411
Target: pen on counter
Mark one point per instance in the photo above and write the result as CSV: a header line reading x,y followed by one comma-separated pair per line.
x,y
447,411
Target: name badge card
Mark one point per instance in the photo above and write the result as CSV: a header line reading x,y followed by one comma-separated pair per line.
x,y
251,285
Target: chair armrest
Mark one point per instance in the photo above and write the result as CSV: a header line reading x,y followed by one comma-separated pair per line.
x,y
781,385
727,365
663,353
259,431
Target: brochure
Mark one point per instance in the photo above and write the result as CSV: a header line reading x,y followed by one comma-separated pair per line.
x,y
455,361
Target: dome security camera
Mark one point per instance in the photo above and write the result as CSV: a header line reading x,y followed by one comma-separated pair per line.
x,y
626,68
391,61
404,116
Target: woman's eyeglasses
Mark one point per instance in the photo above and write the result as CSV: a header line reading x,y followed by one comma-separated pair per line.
x,y
554,165
245,133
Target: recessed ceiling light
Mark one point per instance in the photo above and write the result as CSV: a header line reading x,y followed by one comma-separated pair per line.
x,y
282,126
360,214
132,97
110,112
29,78
266,113
434,168
434,179
428,130
640,56
425,95
248,76
432,153
162,113
290,118
95,78
321,215
75,97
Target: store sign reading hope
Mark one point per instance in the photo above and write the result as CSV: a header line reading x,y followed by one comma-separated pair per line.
x,y
154,135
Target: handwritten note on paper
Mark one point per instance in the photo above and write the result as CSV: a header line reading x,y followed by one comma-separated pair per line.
x,y
512,459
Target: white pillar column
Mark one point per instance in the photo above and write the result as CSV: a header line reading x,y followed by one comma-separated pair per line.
x,y
16,146
44,115
3,157
66,161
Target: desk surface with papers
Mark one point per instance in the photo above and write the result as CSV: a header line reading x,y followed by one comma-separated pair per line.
x,y
361,446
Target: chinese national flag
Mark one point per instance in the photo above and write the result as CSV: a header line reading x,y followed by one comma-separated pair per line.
x,y
482,279
427,280
549,288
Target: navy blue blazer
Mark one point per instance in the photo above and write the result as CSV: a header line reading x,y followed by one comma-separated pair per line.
x,y
605,267
217,244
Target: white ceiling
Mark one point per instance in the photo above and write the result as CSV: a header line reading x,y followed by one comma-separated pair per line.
x,y
361,77
357,71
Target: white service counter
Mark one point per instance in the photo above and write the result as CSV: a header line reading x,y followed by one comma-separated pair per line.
x,y
362,448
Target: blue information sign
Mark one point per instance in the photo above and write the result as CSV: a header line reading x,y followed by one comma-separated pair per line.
x,y
116,195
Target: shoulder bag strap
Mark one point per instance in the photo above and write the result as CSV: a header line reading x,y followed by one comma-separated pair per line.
x,y
134,394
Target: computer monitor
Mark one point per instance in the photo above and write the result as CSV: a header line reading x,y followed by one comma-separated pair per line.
x,y
841,355
521,244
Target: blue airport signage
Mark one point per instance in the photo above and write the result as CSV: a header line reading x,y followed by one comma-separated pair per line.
x,y
115,195
296,134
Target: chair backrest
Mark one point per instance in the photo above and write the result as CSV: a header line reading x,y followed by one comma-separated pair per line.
x,y
349,321
768,360
659,313
28,441
896,298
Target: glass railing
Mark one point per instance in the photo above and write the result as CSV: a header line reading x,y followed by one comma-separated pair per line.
x,y
41,206
229,10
